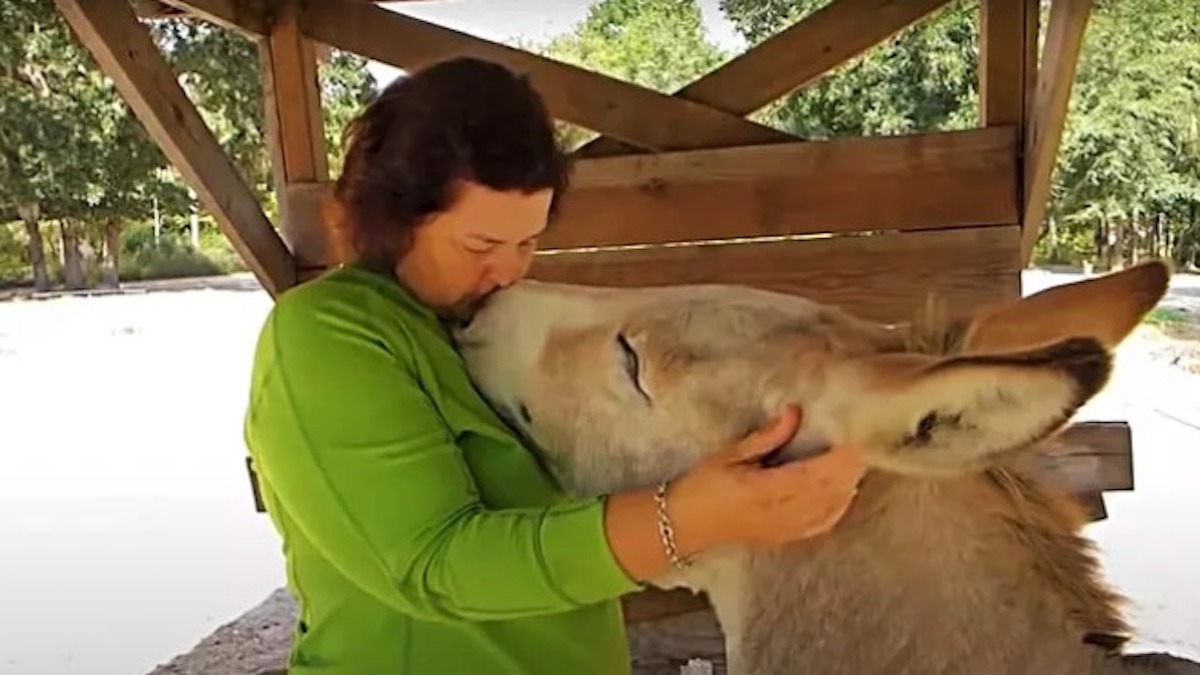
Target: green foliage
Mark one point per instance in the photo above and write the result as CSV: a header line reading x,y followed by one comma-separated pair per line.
x,y
1166,317
67,143
71,147
1129,165
346,86
14,268
174,255
1127,181
923,79
219,70
658,44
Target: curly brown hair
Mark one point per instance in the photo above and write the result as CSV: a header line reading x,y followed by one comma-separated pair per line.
x,y
459,119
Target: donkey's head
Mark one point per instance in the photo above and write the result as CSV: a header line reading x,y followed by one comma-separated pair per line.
x,y
624,387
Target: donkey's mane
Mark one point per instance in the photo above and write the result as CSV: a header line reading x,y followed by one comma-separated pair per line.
x,y
1047,525
934,330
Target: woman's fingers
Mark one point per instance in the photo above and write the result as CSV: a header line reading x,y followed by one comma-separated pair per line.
x,y
837,467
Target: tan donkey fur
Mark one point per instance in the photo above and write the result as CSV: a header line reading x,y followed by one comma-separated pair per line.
x,y
957,557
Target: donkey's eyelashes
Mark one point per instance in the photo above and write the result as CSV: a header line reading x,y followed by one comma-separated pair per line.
x,y
925,427
632,364
932,422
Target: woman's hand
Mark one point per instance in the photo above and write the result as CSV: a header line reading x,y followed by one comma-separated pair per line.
x,y
729,499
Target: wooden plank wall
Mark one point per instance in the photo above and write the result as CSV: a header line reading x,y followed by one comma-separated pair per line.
x,y
872,224
886,277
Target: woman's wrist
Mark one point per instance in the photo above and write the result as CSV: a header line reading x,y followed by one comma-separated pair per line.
x,y
666,528
645,537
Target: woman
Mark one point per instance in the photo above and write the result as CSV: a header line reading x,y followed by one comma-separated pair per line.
x,y
421,538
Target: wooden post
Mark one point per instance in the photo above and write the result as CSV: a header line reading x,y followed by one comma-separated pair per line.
x,y
295,131
1047,116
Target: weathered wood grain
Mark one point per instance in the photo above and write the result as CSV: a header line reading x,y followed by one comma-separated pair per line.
x,y
885,277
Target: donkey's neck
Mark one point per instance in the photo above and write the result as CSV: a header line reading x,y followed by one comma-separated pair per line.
x,y
924,577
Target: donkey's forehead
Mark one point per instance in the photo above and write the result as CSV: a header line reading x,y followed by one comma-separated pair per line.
x,y
702,320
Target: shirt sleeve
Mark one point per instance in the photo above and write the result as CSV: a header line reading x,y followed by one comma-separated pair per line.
x,y
357,456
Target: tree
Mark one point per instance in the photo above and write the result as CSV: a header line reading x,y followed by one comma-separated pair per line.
x,y
72,152
220,71
70,148
1128,179
923,79
658,44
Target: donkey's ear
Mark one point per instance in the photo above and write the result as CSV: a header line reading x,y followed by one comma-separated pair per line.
x,y
1107,308
920,415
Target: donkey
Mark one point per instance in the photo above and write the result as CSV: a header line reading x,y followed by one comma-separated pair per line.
x,y
958,555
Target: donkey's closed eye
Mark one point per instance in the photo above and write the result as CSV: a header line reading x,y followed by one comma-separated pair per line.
x,y
632,365
928,424
925,428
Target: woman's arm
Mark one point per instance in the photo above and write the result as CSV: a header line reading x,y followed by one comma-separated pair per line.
x,y
357,457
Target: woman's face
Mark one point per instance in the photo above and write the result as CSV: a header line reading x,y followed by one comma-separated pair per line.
x,y
483,242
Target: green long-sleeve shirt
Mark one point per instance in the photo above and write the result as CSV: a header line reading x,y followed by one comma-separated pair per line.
x,y
421,537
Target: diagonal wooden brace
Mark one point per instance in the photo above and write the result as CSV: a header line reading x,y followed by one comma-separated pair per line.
x,y
792,58
249,17
1048,113
634,114
125,52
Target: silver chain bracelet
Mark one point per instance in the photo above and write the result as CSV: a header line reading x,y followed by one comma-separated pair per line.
x,y
665,531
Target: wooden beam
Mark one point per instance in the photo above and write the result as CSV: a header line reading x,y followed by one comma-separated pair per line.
x,y
922,181
634,114
1033,36
295,129
153,9
1002,61
792,58
1091,457
1056,77
1007,28
1093,505
127,54
317,246
885,277
250,17
654,604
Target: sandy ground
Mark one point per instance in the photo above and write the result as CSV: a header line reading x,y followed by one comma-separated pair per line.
x,y
128,529
126,520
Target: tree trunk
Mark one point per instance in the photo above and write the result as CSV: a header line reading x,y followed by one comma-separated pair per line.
x,y
1185,243
73,277
111,267
1052,238
1107,236
37,248
1119,238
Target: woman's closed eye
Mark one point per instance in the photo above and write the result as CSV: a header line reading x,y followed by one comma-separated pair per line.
x,y
480,247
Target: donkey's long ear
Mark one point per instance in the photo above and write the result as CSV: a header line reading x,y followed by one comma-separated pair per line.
x,y
1107,308
921,415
